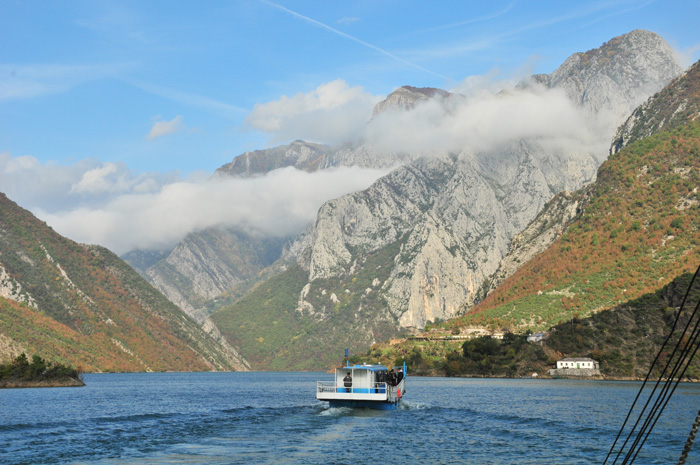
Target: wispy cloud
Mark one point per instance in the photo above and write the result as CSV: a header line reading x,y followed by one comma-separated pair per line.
x,y
163,128
29,81
348,20
469,21
187,98
484,42
354,39
688,56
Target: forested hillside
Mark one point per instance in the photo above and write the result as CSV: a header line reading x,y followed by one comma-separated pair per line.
x,y
82,305
624,339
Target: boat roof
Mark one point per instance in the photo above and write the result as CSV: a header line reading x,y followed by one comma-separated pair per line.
x,y
365,367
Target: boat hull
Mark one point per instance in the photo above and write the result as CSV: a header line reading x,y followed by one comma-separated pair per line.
x,y
364,404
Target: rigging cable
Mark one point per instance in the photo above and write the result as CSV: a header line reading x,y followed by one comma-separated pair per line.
x,y
655,408
661,404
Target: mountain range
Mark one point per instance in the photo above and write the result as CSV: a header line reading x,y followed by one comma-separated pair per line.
x,y
459,218
424,242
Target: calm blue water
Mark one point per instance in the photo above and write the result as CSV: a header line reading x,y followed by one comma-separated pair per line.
x,y
232,418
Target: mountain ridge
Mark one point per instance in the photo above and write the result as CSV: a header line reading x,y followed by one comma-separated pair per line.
x,y
449,218
82,305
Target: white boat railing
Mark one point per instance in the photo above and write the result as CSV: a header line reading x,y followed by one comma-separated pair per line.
x,y
392,392
325,386
331,386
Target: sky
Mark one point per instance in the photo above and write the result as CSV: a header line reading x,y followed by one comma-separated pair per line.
x,y
114,114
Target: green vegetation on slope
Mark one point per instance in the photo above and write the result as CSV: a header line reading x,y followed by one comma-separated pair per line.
x,y
21,370
347,312
263,323
86,307
624,339
639,228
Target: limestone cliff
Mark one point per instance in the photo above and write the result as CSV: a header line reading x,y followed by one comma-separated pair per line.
x,y
454,215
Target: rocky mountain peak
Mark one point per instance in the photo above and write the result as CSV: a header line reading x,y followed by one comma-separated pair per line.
x,y
617,76
406,97
303,155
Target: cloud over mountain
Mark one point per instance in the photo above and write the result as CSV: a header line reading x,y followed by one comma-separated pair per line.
x,y
486,120
106,204
332,113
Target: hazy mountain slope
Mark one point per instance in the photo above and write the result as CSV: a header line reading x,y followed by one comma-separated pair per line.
x,y
209,263
461,211
607,82
638,229
82,305
302,155
406,98
676,104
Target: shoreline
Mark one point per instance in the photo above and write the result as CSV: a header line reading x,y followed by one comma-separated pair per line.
x,y
44,383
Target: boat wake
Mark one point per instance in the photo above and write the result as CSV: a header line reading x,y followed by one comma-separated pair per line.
x,y
409,405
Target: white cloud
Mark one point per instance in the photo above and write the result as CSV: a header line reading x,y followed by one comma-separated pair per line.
x,y
106,204
281,203
163,128
687,56
332,113
88,182
485,120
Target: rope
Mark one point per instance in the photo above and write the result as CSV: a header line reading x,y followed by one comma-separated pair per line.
x,y
689,442
667,396
666,392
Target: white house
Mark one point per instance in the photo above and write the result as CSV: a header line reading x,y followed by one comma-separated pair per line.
x,y
577,363
576,367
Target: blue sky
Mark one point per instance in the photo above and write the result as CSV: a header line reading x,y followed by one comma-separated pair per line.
x,y
156,92
90,79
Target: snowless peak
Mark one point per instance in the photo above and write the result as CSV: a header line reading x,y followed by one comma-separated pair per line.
x,y
406,97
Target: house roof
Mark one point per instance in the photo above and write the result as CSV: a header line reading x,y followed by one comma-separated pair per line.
x,y
577,359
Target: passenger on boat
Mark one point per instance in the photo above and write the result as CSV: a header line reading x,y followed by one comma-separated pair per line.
x,y
347,381
399,377
392,378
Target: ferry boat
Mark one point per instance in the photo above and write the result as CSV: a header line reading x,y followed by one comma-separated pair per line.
x,y
364,386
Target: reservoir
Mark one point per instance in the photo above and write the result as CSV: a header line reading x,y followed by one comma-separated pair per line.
x,y
274,418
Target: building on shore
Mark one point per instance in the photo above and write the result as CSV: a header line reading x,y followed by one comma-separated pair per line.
x,y
576,367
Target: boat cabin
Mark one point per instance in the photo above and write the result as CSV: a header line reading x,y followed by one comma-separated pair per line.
x,y
362,386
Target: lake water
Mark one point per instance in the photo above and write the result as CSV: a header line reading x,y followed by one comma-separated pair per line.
x,y
271,418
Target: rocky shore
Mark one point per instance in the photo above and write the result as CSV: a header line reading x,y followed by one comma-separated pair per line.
x,y
44,383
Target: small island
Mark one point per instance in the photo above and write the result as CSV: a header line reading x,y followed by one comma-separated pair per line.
x,y
21,373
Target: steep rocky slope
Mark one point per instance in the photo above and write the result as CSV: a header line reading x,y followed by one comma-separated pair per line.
x,y
82,305
675,105
458,213
637,228
454,217
210,263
